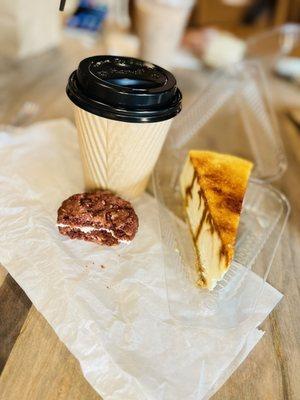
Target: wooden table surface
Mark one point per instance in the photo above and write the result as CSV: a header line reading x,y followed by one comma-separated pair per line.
x,y
35,365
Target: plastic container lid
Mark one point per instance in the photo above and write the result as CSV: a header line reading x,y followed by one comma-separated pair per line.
x,y
234,107
270,45
124,89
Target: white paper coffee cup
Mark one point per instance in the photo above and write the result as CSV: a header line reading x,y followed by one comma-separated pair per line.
x,y
120,140
117,155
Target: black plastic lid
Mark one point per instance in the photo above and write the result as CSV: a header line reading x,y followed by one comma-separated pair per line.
x,y
124,89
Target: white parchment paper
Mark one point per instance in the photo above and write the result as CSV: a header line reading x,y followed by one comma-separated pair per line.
x,y
108,306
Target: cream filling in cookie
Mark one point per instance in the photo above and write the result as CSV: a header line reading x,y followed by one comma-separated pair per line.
x,y
89,229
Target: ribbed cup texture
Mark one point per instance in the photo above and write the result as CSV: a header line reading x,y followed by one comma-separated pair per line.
x,y
116,155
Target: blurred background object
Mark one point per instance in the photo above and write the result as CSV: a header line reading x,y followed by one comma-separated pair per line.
x,y
91,14
171,33
185,35
118,13
216,48
270,45
120,43
245,17
88,15
289,68
28,27
160,26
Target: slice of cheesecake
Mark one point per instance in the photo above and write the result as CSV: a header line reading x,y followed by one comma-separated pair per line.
x,y
213,186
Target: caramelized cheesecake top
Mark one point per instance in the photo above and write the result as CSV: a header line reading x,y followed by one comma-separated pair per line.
x,y
223,181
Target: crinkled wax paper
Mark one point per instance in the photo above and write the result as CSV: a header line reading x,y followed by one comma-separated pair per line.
x,y
108,306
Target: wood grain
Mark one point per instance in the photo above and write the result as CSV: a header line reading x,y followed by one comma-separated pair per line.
x,y
14,306
3,274
39,366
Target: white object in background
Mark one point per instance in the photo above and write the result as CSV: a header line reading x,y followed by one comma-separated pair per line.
x,y
109,306
28,27
70,7
160,26
289,67
118,12
223,49
120,43
185,59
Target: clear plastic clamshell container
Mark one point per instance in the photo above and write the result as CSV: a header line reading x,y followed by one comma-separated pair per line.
x,y
232,115
273,44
